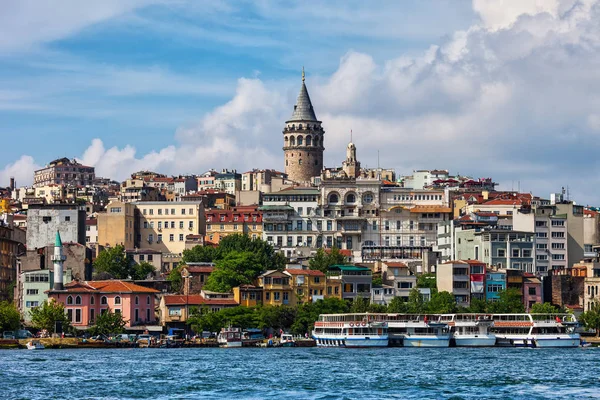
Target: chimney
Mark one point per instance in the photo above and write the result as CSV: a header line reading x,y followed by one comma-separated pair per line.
x,y
12,183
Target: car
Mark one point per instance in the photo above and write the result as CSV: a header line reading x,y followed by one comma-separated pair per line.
x,y
8,335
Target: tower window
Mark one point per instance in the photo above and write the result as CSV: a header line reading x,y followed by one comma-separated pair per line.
x,y
308,141
292,141
300,140
286,163
300,162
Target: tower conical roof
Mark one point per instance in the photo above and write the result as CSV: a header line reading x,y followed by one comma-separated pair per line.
x,y
303,110
58,241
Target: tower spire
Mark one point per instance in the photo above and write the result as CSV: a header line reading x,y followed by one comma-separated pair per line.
x,y
303,73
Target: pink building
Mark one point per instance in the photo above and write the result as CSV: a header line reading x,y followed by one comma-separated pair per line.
x,y
532,291
84,300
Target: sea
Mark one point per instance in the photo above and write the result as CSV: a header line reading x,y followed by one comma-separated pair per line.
x,y
300,373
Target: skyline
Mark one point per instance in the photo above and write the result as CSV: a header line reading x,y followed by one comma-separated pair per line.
x,y
476,88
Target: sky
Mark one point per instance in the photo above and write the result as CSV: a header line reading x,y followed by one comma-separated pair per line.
x,y
508,89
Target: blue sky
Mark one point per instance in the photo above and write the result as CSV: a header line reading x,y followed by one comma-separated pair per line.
x,y
503,89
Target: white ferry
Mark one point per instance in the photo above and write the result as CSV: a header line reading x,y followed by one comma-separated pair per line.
x,y
418,330
536,330
230,337
351,330
471,330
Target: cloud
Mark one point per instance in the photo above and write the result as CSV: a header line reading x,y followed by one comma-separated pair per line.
x,y
21,170
24,24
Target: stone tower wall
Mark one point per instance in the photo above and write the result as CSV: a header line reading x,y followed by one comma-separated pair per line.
x,y
303,161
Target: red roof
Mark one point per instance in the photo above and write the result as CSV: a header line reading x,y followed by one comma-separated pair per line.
x,y
396,264
485,214
498,202
109,286
204,269
310,272
344,252
196,299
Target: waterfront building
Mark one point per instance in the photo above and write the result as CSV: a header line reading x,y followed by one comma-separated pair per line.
x,y
64,172
118,225
495,283
175,310
248,295
382,294
591,283
303,140
277,288
532,291
356,281
34,286
566,288
309,285
85,300
399,277
453,277
246,220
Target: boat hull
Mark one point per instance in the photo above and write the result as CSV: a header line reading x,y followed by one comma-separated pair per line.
x,y
351,342
426,341
475,340
561,341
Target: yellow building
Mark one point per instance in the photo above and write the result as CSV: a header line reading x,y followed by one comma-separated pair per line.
x,y
51,193
248,295
277,289
163,226
116,226
309,285
245,220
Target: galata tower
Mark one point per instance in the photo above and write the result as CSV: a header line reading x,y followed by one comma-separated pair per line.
x,y
303,140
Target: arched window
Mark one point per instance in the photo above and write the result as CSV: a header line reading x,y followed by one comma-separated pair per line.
x,y
300,126
316,141
78,300
309,141
92,300
103,300
148,300
299,140
117,300
293,127
137,300
350,198
333,198
286,140
292,141
70,300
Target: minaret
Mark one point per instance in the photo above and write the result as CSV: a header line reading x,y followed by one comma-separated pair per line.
x,y
58,259
303,140
351,165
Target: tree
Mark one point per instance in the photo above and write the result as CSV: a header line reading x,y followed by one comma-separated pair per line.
x,y
359,305
235,269
415,304
113,261
426,281
200,254
141,271
441,303
509,301
591,318
264,252
48,314
546,308
323,260
477,306
397,306
108,323
175,278
10,318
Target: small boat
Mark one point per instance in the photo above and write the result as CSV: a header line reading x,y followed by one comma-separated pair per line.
x,y
287,340
230,337
35,345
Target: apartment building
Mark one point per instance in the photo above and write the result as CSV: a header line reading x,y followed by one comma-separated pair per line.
x,y
64,172
118,225
246,220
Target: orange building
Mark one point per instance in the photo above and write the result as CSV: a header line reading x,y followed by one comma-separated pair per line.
x,y
245,220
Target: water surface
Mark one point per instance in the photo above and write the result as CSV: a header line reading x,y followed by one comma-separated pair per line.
x,y
298,373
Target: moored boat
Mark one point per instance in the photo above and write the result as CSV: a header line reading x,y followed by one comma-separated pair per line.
x,y
287,340
230,337
424,331
471,330
351,330
35,345
536,330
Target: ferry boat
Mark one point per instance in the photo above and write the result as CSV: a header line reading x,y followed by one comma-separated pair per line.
x,y
536,330
351,330
230,337
471,330
418,330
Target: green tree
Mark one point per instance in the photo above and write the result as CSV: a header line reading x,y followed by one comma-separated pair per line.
x,y
426,281
235,269
509,301
200,254
264,252
114,262
591,318
441,303
48,314
175,278
415,304
359,305
546,308
108,323
477,306
377,308
323,260
141,271
397,306
10,318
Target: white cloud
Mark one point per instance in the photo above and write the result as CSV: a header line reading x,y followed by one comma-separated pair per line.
x,y
21,170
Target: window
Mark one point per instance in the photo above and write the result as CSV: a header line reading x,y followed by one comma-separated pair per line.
x,y
137,301
117,311
329,225
92,315
70,315
368,198
541,246
374,225
183,211
285,296
540,223
78,315
267,295
147,314
32,291
333,198
78,300
92,301
181,237
558,235
180,224
191,225
70,300
558,256
117,300
501,253
147,300
171,237
159,238
558,246
532,291
558,223
67,219
103,300
276,296
516,252
541,235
